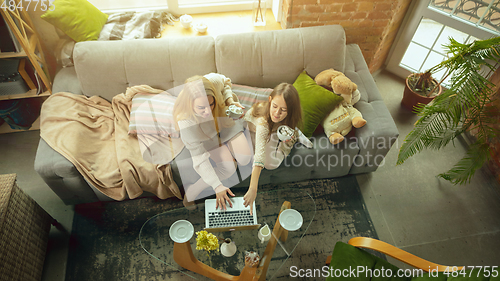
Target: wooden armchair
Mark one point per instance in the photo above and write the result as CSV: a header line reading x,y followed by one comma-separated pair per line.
x,y
346,259
394,252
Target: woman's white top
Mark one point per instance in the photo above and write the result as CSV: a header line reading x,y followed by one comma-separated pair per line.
x,y
264,143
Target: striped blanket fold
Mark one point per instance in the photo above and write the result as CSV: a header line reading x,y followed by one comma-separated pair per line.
x,y
134,25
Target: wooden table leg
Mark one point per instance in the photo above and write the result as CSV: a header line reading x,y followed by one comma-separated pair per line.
x,y
265,260
183,256
284,233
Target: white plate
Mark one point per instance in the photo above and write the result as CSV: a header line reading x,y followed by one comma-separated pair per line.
x,y
291,219
181,231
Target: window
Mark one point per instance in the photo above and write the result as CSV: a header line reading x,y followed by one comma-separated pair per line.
x,y
128,5
175,6
420,42
480,13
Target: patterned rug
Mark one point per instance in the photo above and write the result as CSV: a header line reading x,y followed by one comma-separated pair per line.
x,y
105,245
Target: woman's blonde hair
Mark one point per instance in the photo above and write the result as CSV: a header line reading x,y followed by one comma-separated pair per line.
x,y
195,87
294,111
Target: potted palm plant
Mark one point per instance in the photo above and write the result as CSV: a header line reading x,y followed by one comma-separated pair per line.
x,y
466,105
420,88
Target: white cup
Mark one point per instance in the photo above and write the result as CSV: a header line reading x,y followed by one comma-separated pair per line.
x,y
200,27
285,133
264,233
234,111
186,21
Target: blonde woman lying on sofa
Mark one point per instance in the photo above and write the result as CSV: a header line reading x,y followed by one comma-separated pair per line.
x,y
208,134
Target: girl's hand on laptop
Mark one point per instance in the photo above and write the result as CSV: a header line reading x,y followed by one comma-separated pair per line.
x,y
221,197
249,198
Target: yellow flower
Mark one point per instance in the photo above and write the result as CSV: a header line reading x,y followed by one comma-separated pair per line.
x,y
206,241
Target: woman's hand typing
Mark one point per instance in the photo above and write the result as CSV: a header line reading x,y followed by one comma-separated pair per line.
x,y
221,197
249,198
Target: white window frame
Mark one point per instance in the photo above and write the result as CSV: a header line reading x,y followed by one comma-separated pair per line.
x,y
173,7
418,10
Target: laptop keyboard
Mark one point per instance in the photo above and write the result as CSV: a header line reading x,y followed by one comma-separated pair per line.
x,y
230,218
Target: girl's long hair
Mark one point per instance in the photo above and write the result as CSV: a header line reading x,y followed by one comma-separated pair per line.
x,y
195,87
294,111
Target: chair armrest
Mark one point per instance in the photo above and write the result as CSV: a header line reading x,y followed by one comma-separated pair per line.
x,y
401,255
328,260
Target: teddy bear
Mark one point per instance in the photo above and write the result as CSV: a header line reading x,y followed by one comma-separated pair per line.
x,y
343,117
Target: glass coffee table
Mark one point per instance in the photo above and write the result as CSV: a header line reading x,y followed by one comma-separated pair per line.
x,y
200,265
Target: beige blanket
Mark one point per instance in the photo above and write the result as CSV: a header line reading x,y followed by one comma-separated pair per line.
x,y
93,135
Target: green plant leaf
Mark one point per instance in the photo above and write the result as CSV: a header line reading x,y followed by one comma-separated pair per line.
x,y
465,105
465,169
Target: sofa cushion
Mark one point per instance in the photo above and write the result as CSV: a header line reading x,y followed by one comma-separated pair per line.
x,y
72,17
267,58
316,102
159,63
380,133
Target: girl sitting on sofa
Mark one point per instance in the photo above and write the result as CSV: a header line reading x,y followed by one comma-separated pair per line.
x,y
264,118
207,133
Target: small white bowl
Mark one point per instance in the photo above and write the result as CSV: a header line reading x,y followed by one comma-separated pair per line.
x,y
201,27
186,21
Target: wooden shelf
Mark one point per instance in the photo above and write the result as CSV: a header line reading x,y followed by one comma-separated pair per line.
x,y
23,29
13,55
5,128
29,94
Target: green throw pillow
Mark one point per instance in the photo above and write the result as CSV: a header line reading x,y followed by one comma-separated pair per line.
x,y
79,19
316,102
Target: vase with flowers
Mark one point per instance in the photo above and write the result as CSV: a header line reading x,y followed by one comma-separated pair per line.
x,y
208,242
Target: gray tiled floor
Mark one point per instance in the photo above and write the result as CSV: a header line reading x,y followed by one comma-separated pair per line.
x,y
410,207
17,155
427,216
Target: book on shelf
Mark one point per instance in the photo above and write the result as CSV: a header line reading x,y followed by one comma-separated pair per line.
x,y
8,41
28,73
17,76
11,82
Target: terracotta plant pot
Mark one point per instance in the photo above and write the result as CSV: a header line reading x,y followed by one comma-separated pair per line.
x,y
411,98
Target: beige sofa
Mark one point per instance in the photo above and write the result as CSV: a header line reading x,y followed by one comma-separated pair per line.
x,y
261,59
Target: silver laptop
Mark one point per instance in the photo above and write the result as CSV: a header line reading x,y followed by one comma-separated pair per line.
x,y
236,218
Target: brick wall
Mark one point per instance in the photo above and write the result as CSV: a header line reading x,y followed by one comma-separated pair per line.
x,y
372,24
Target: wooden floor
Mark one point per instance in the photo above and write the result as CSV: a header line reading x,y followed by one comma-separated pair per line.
x,y
222,23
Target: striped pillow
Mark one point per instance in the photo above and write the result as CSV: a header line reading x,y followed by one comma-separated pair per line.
x,y
248,96
152,114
